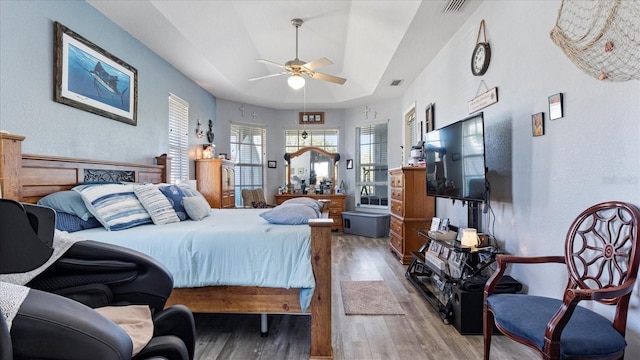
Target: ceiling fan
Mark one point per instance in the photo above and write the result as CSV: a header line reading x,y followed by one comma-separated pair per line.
x,y
297,67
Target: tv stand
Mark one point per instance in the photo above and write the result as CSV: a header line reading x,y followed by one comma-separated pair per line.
x,y
440,268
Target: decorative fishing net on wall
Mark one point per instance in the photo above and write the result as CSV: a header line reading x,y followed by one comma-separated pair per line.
x,y
601,37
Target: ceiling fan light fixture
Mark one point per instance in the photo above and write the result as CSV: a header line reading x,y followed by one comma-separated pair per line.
x,y
296,82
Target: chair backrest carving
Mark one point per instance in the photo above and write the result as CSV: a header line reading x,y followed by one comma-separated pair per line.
x,y
601,247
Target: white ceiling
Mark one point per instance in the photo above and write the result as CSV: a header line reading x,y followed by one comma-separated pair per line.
x,y
216,44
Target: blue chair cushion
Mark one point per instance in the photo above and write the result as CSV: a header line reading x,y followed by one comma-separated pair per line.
x,y
526,316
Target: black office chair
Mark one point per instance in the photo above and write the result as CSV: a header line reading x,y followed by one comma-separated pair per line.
x,y
57,320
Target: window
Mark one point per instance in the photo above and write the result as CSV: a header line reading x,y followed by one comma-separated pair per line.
x,y
415,129
247,151
371,162
178,138
325,139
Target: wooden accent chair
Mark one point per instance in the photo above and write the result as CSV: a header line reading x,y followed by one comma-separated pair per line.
x,y
601,256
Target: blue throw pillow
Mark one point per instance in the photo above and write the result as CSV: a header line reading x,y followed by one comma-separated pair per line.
x,y
115,206
68,201
71,223
291,214
175,195
316,204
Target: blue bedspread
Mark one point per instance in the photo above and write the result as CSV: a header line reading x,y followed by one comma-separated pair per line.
x,y
230,247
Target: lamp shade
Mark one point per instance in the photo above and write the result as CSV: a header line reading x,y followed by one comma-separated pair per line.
x,y
469,237
296,82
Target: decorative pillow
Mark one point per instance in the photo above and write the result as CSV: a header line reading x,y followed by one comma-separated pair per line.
x,y
156,204
114,205
72,223
67,201
291,214
189,191
316,204
175,195
197,207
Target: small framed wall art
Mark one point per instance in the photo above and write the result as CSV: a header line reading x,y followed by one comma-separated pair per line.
x,y
555,106
349,163
271,164
310,118
537,124
429,116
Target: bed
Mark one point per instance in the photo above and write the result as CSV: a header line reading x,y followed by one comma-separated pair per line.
x,y
27,178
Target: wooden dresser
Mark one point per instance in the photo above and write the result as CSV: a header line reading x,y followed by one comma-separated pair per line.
x,y
215,179
336,206
411,209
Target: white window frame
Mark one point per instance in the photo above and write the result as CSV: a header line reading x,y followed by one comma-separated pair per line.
x,y
248,175
178,139
325,139
372,175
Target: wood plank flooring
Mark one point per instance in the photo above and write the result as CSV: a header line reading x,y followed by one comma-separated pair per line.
x,y
419,334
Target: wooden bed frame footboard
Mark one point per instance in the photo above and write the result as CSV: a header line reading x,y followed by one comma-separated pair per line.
x,y
27,178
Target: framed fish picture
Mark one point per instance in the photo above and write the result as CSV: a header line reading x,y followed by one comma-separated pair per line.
x,y
91,79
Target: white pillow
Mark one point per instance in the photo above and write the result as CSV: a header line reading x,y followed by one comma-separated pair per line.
x,y
197,207
114,205
291,214
316,204
156,204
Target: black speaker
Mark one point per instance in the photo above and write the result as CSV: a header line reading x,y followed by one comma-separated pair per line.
x,y
467,311
467,304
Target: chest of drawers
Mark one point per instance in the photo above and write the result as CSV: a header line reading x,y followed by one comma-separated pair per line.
x,y
215,179
411,209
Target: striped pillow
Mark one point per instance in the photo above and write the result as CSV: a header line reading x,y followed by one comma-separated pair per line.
x,y
156,204
114,205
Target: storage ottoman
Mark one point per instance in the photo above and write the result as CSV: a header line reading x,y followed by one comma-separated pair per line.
x,y
365,223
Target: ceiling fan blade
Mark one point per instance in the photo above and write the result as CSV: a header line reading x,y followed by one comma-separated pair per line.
x,y
330,78
317,64
267,76
270,63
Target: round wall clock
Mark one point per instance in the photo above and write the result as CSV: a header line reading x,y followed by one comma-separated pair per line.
x,y
480,59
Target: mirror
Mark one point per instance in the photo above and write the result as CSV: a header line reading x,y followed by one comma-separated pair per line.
x,y
311,170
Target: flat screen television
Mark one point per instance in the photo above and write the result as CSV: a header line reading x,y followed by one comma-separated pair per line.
x,y
455,160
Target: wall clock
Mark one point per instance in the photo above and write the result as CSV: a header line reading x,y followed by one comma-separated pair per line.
x,y
481,54
480,59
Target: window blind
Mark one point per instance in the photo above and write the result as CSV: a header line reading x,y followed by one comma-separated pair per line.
x,y
178,138
325,139
371,164
247,151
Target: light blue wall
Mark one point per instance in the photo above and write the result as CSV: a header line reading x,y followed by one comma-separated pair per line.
x,y
26,94
276,122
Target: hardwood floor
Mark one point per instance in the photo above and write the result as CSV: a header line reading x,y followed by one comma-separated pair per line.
x,y
419,334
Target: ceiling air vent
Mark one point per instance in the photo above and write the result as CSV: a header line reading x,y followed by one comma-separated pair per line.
x,y
453,6
396,82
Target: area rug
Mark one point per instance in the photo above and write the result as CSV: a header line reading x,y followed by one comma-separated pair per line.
x,y
369,298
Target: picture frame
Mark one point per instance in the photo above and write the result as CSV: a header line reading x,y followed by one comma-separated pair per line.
x,y
272,164
429,117
435,248
555,106
537,124
445,253
311,118
349,163
89,78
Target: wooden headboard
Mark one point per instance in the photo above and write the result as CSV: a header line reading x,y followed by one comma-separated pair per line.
x,y
27,178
